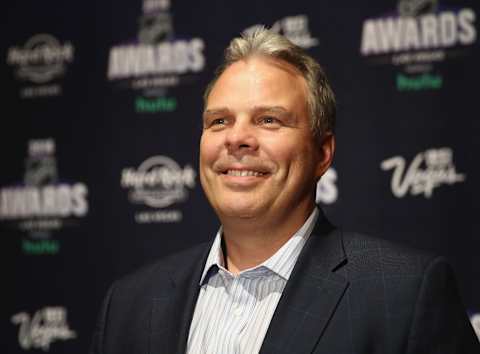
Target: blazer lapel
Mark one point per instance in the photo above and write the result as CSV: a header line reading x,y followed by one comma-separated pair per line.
x,y
310,296
172,308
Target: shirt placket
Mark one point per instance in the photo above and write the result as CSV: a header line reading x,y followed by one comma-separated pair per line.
x,y
246,303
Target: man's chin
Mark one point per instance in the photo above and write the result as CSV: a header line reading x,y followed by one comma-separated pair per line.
x,y
241,212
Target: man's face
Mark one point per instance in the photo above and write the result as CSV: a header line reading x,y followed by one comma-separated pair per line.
x,y
258,157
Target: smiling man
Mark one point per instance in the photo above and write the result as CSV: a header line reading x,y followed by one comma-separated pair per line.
x,y
278,277
259,161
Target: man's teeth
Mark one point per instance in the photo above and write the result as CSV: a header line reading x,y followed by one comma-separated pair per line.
x,y
243,173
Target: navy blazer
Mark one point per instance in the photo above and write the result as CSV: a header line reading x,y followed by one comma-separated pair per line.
x,y
348,293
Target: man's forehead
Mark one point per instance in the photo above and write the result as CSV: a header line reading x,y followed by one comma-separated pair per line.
x,y
259,73
269,60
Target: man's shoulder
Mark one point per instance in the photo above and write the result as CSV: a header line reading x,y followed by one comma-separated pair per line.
x,y
357,241
161,270
378,255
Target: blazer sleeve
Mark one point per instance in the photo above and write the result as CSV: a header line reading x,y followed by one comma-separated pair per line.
x,y
97,344
440,324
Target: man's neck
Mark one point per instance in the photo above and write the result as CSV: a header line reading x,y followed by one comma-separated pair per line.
x,y
249,243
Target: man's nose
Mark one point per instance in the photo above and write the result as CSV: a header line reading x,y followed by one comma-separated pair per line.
x,y
241,138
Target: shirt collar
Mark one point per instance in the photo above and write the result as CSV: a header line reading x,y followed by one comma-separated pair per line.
x,y
281,263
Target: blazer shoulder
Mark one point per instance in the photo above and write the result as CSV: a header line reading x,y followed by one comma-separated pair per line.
x,y
160,271
385,256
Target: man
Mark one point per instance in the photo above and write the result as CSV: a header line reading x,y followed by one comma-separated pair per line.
x,y
278,277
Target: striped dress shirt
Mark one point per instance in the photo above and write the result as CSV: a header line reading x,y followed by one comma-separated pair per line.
x,y
233,312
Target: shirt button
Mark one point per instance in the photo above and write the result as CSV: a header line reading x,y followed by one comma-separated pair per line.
x,y
237,311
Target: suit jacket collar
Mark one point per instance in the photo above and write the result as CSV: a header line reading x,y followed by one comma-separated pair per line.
x,y
311,294
173,305
187,287
303,312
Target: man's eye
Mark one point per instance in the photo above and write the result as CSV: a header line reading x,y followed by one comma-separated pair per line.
x,y
217,121
269,120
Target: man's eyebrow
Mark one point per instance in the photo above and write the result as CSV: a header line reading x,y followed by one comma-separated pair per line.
x,y
283,112
276,109
215,111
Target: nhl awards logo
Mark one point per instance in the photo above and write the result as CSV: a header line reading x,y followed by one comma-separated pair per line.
x,y
42,203
415,37
42,61
158,183
295,28
157,61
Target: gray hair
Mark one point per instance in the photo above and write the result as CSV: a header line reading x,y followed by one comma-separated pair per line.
x,y
320,100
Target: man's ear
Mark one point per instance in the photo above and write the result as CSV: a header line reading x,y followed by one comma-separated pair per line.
x,y
327,150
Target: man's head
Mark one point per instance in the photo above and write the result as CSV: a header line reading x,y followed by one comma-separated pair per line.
x,y
265,142
320,98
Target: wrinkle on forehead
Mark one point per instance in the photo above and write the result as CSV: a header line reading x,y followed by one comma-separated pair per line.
x,y
277,62
253,65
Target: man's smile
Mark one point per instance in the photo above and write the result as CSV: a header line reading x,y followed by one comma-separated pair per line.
x,y
243,173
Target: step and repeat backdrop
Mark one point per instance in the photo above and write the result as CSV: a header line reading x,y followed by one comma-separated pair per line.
x,y
101,119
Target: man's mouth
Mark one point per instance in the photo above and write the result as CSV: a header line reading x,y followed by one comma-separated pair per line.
x,y
243,173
